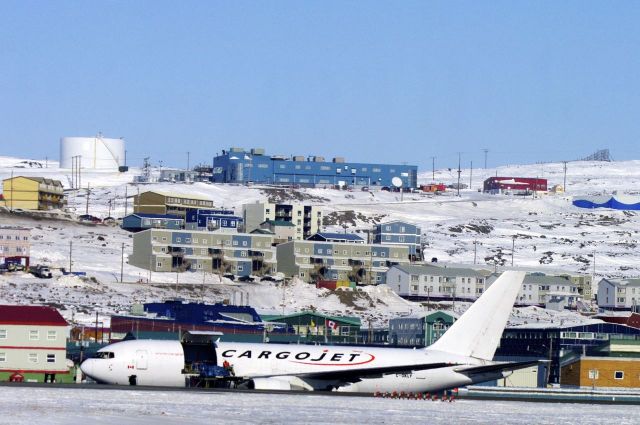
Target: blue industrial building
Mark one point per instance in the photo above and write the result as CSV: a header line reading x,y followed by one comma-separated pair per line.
x,y
202,219
239,166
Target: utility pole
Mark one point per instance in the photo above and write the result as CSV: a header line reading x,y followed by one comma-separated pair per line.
x,y
433,169
11,192
513,247
86,211
70,253
486,151
564,183
470,174
475,250
126,201
459,172
188,155
122,264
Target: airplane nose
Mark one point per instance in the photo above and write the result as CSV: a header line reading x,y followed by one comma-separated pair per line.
x,y
87,367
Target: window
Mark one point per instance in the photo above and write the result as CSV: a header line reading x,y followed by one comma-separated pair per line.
x,y
240,267
593,374
178,240
3,357
3,334
51,358
33,357
159,264
618,374
52,335
34,335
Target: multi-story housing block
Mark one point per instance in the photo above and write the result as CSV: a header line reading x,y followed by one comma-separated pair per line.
x,y
399,233
163,250
156,202
15,245
360,263
212,220
306,218
540,289
430,282
33,193
32,342
619,294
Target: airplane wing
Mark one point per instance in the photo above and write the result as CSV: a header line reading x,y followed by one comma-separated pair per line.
x,y
495,367
356,374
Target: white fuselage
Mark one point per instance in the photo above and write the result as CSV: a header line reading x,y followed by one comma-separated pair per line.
x,y
276,366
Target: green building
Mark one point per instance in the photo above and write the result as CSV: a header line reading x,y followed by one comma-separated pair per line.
x,y
420,330
311,326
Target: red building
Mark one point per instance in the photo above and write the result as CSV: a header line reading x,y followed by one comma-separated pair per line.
x,y
514,185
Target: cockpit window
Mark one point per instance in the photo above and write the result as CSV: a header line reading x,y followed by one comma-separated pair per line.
x,y
104,355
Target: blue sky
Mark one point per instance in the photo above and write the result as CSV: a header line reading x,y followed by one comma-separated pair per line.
x,y
372,81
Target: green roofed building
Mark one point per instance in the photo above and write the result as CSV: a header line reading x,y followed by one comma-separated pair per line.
x,y
312,326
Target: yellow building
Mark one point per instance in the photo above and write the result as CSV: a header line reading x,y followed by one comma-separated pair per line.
x,y
602,372
33,193
168,203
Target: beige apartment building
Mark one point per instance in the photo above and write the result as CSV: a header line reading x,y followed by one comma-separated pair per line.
x,y
15,245
32,342
307,219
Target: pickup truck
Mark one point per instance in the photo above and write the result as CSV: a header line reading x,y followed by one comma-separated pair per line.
x,y
40,271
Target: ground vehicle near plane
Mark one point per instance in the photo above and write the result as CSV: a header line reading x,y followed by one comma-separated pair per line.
x,y
462,356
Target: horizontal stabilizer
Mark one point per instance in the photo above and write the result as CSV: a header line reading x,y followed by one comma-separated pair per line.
x,y
496,367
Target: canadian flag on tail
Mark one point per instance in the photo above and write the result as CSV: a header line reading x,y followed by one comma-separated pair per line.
x,y
331,324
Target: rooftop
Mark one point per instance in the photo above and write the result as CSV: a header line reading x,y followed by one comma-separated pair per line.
x,y
178,195
39,180
432,270
30,315
145,215
337,236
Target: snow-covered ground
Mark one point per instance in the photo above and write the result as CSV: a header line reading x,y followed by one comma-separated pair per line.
x,y
550,235
70,406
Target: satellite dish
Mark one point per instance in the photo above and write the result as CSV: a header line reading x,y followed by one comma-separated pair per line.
x,y
396,182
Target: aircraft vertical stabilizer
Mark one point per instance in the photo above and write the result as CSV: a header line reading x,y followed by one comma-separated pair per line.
x,y
477,333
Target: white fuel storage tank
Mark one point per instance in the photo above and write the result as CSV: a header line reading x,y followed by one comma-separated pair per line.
x,y
95,152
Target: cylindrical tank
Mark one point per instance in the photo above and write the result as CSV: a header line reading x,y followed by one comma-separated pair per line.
x,y
95,152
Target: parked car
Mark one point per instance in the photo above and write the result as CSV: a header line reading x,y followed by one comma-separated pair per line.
x,y
267,279
89,218
386,188
11,267
245,279
229,276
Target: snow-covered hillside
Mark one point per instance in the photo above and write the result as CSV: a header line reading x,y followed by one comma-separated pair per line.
x,y
548,233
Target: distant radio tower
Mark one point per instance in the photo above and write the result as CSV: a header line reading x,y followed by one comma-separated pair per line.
x,y
601,155
486,151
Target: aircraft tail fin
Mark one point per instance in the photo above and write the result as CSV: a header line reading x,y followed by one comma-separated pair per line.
x,y
477,333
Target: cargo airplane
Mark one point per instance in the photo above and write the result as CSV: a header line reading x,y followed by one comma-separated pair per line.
x,y
462,356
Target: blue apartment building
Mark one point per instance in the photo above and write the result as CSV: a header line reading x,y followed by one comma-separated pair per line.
x,y
205,219
399,233
237,165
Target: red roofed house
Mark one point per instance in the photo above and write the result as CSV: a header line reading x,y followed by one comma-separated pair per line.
x,y
32,342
